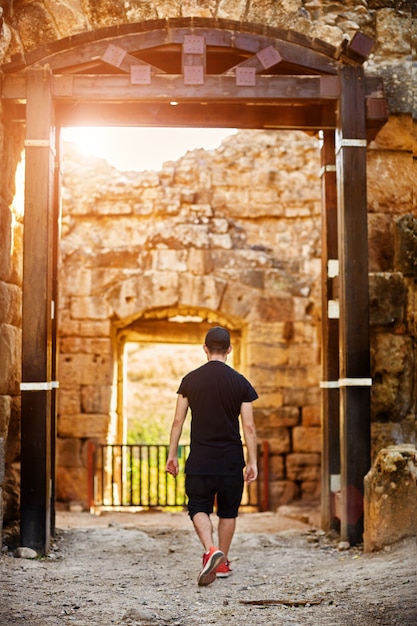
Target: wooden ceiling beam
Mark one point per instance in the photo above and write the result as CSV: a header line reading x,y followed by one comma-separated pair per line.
x,y
311,118
215,88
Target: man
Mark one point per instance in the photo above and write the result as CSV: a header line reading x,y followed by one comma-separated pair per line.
x,y
216,395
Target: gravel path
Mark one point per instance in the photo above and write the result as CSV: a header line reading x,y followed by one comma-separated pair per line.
x,y
141,570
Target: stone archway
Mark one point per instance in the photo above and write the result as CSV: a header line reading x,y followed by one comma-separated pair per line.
x,y
219,73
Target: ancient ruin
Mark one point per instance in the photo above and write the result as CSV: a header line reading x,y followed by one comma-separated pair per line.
x,y
243,235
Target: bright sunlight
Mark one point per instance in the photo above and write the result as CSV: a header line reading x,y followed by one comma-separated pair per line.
x,y
139,149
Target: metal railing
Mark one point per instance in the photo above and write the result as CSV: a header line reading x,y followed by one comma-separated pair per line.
x,y
133,475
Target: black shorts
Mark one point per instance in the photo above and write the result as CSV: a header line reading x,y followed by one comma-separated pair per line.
x,y
204,491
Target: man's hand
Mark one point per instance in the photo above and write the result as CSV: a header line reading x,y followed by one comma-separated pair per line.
x,y
251,473
172,466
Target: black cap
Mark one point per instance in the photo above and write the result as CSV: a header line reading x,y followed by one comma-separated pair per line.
x,y
218,338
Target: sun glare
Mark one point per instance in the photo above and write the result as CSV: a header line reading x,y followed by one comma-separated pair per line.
x,y
139,149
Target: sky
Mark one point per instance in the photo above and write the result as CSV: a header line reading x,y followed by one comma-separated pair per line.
x,y
139,149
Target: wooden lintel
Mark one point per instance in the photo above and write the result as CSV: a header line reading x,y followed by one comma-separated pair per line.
x,y
14,87
171,87
216,115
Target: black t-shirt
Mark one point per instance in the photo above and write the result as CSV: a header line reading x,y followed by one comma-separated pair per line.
x,y
215,393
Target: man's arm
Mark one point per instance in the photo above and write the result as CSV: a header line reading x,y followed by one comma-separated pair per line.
x,y
176,430
249,434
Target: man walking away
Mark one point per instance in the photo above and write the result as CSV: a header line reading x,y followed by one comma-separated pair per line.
x,y
217,395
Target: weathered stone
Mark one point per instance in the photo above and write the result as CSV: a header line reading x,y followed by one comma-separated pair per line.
x,y
2,464
25,553
284,492
387,299
380,242
278,439
72,484
306,439
10,361
84,426
391,391
10,304
69,452
390,181
85,369
406,245
303,467
390,504
95,398
277,416
311,416
389,434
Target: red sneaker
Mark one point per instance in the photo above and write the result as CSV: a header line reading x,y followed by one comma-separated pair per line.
x,y
211,561
224,570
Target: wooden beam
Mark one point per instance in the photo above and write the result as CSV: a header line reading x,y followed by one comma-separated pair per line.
x,y
354,305
330,460
35,516
172,87
233,115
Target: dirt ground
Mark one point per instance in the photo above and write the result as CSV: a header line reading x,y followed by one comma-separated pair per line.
x,y
140,569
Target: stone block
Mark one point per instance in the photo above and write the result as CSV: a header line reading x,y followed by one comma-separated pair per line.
x,y
311,490
201,291
10,304
5,242
72,484
85,369
278,438
311,416
265,355
275,417
10,359
282,492
69,452
390,502
13,433
268,398
85,345
95,398
275,309
387,299
5,412
89,307
385,434
405,238
380,242
2,461
69,402
84,426
392,375
303,467
76,282
276,468
199,262
306,439
390,182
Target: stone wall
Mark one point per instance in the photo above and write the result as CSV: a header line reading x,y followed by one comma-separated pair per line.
x,y
11,142
231,235
26,26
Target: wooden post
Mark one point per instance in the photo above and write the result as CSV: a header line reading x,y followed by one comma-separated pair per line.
x,y
330,462
35,522
354,379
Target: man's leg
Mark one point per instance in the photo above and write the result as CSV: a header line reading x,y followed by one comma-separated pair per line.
x,y
226,530
204,529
